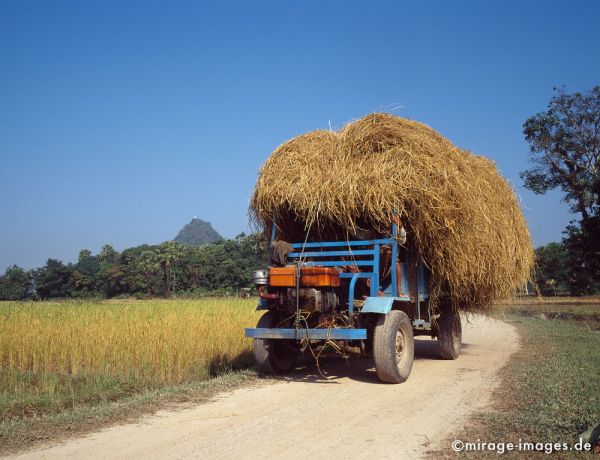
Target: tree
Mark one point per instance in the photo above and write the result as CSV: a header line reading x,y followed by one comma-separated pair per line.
x,y
552,274
169,255
109,278
85,274
583,246
108,255
55,279
13,284
565,152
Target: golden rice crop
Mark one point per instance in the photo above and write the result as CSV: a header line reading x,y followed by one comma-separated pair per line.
x,y
161,342
461,214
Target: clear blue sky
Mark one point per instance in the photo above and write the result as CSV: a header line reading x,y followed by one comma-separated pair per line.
x,y
121,120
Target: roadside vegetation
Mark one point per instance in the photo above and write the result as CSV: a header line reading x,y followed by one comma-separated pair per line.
x,y
549,391
170,269
72,360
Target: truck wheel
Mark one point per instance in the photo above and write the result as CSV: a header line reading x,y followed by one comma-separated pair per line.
x,y
273,356
449,333
393,347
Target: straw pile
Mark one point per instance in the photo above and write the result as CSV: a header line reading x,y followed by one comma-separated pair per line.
x,y
461,214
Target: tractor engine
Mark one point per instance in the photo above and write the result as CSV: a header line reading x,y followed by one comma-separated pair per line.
x,y
312,289
313,300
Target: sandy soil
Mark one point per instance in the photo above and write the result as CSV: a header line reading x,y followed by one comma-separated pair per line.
x,y
349,415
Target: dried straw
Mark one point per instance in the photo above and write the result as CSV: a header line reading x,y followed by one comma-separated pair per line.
x,y
463,216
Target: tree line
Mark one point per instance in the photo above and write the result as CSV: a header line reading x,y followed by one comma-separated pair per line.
x,y
173,268
162,270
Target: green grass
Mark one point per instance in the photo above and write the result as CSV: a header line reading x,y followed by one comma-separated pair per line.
x,y
20,433
548,392
27,394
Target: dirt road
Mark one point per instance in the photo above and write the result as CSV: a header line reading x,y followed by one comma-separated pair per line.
x,y
350,415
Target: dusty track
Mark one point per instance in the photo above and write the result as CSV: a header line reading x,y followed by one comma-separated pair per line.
x,y
350,415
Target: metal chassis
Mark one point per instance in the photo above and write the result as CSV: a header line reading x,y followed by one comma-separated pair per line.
x,y
330,254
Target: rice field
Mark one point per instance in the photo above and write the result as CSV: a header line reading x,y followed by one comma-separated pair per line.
x,y
55,355
583,311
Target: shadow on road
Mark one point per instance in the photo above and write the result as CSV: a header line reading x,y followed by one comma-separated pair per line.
x,y
334,367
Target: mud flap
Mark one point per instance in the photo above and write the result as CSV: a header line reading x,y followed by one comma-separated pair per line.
x,y
381,305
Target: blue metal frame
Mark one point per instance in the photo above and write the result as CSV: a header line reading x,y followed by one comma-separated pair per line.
x,y
310,334
330,254
367,250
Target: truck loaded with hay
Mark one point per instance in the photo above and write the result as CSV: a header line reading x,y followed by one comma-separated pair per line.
x,y
379,232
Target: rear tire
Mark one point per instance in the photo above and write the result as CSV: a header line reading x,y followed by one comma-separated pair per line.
x,y
273,356
393,347
449,333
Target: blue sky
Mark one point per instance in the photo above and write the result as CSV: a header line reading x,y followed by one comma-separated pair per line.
x,y
122,120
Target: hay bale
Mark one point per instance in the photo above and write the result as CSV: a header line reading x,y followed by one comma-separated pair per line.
x,y
463,216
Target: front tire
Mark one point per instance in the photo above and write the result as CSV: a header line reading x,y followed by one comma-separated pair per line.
x,y
393,347
449,333
273,356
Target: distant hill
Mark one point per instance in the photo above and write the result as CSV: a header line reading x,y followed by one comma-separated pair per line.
x,y
197,232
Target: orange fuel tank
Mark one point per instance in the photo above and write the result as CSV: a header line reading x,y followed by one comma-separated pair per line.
x,y
309,276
